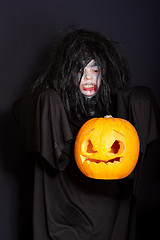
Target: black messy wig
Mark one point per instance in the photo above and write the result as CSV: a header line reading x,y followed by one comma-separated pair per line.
x,y
70,55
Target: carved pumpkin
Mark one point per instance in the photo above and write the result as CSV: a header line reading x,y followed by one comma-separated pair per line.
x,y
107,148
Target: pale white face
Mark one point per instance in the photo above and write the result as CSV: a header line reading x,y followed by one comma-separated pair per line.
x,y
91,79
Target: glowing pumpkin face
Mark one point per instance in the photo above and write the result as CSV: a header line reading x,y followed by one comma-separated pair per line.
x,y
107,148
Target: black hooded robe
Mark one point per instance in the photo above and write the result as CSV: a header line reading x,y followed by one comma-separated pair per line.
x,y
68,205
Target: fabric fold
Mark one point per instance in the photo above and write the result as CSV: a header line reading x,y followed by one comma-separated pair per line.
x,y
44,126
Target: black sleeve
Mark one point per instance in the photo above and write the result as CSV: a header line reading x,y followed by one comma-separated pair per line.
x,y
43,125
138,106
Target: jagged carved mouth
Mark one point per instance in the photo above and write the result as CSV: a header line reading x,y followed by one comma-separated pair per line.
x,y
116,149
114,160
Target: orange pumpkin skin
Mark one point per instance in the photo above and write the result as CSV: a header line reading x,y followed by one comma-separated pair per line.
x,y
107,148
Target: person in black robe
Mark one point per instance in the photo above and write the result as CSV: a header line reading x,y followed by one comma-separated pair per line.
x,y
68,205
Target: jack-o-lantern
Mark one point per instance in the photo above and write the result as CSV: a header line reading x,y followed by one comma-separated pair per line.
x,y
107,148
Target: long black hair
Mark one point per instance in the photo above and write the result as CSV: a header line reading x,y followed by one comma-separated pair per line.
x,y
70,55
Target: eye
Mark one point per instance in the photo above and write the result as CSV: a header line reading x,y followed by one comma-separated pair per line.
x,y
77,71
95,70
117,147
90,147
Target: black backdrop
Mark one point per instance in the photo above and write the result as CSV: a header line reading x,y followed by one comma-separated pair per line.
x,y
28,27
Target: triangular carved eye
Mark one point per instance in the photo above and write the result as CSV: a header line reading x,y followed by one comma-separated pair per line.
x,y
117,147
90,147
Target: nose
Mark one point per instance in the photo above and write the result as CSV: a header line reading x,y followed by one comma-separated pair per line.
x,y
87,75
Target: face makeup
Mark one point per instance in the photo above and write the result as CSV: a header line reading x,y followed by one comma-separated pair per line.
x,y
91,79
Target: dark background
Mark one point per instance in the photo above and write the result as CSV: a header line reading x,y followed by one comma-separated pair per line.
x,y
28,27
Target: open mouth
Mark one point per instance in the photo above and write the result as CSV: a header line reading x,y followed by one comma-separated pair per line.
x,y
89,87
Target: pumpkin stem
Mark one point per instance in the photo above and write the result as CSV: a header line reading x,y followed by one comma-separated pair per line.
x,y
108,116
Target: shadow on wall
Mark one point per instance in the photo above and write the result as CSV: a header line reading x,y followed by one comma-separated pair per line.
x,y
148,201
16,166
16,169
